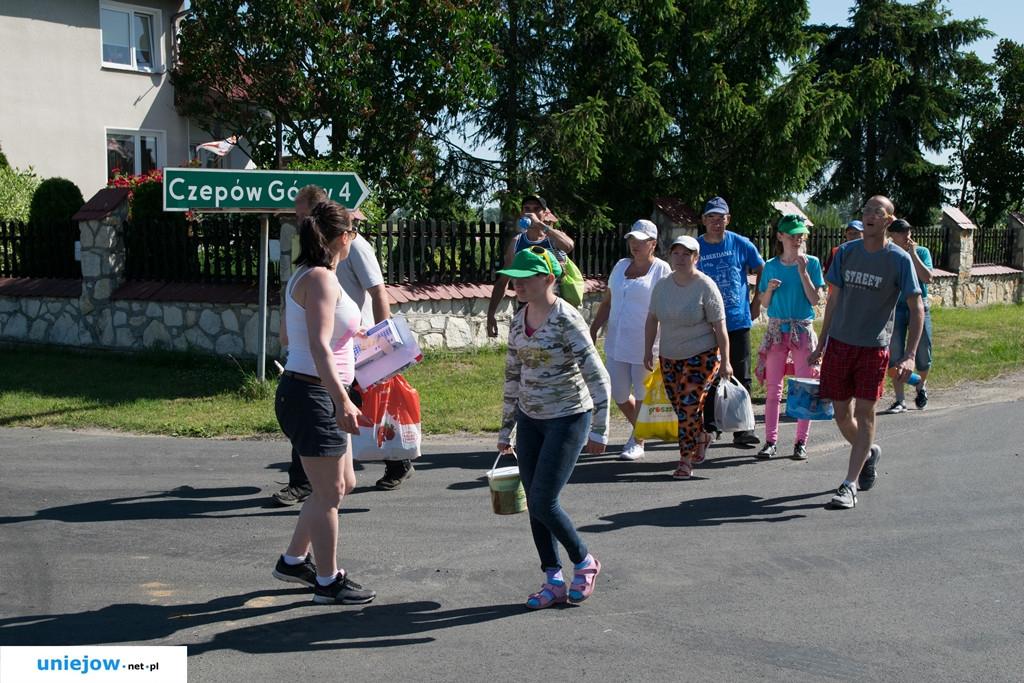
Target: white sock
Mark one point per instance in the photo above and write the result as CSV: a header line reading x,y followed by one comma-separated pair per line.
x,y
292,560
852,485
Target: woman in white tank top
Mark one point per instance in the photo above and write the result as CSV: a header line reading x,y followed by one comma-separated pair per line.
x,y
312,404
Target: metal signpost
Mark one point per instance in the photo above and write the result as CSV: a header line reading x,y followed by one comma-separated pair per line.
x,y
265,192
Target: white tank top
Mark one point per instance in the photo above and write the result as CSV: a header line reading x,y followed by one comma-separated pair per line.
x,y
346,324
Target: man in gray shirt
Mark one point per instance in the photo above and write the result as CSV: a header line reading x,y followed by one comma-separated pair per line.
x,y
868,276
361,278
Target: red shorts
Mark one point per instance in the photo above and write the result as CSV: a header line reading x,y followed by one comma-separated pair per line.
x,y
853,371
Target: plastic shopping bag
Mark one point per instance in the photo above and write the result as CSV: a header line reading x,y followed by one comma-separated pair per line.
x,y
657,418
394,408
733,410
572,284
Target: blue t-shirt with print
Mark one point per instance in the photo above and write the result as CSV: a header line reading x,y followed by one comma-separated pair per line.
x,y
727,263
790,301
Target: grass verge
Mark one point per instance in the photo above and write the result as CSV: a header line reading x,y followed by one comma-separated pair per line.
x,y
188,394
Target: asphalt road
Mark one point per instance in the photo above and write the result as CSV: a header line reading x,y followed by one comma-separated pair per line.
x,y
738,574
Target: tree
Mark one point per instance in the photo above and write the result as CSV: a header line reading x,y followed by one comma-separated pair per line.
x,y
994,162
885,150
603,104
370,81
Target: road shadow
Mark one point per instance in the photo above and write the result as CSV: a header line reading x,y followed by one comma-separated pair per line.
x,y
318,627
183,502
712,512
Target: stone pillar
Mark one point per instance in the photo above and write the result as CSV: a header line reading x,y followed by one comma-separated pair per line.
x,y
960,242
1015,221
103,261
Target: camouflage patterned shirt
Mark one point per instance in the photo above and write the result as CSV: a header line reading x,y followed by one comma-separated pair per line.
x,y
557,372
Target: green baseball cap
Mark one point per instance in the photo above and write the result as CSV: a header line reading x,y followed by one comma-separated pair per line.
x,y
792,224
533,261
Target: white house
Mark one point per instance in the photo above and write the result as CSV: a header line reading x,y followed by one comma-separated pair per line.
x,y
85,88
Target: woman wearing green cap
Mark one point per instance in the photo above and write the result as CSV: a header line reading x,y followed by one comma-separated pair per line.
x,y
556,394
789,291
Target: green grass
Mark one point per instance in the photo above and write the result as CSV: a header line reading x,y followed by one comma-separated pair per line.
x,y
188,394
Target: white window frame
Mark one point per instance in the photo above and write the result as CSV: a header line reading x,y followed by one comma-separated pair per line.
x,y
137,135
156,19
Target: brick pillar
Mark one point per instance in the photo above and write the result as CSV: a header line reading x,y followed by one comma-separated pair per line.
x,y
960,244
1015,221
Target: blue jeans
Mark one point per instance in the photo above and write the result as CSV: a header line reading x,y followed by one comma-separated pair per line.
x,y
547,451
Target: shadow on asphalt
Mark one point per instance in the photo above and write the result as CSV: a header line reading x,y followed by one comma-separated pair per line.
x,y
183,502
317,627
712,512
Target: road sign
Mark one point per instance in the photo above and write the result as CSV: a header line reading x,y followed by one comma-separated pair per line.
x,y
242,191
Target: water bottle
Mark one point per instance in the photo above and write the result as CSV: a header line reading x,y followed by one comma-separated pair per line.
x,y
524,223
912,380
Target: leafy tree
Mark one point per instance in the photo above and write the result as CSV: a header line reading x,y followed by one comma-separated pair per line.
x,y
602,104
885,150
16,190
994,161
373,79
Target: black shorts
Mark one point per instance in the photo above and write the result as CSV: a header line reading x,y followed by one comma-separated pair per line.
x,y
306,414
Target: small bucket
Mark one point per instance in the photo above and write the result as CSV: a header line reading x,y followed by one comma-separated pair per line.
x,y
507,494
803,400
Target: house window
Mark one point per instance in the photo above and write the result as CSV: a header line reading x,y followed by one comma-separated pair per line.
x,y
129,40
133,152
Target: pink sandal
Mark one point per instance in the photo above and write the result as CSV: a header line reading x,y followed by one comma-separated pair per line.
x,y
684,470
702,446
549,594
583,580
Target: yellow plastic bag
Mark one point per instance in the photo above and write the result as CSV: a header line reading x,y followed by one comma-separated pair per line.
x,y
657,418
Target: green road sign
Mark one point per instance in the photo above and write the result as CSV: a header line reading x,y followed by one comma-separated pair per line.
x,y
213,189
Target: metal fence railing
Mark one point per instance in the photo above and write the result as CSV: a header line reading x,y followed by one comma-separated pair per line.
x,y
993,246
432,252
822,239
38,249
222,249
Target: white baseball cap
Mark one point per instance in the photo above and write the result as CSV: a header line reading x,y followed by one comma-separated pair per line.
x,y
688,242
643,230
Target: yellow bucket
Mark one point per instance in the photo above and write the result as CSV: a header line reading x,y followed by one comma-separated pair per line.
x,y
507,494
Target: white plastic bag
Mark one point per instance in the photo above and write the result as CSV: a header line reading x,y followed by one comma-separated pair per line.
x,y
733,410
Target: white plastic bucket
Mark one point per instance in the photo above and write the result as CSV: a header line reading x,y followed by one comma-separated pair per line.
x,y
507,494
803,400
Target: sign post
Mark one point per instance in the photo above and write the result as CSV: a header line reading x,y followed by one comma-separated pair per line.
x,y
266,192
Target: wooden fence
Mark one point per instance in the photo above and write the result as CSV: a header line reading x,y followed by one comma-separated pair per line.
x,y
44,250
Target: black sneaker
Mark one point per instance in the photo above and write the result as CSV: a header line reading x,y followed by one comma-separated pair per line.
x,y
921,400
292,495
395,472
747,438
870,470
767,451
343,590
304,573
799,451
897,407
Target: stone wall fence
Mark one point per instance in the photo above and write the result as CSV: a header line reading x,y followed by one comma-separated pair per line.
x,y
103,311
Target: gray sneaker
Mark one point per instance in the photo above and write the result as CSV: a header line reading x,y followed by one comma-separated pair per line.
x,y
343,590
845,497
292,495
767,451
869,472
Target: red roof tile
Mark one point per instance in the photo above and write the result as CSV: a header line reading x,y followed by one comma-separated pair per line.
x,y
677,210
40,286
102,204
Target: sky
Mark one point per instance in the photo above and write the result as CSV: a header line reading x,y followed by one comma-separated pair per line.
x,y
1005,18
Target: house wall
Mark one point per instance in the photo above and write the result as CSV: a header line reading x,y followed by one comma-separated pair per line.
x,y
57,100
